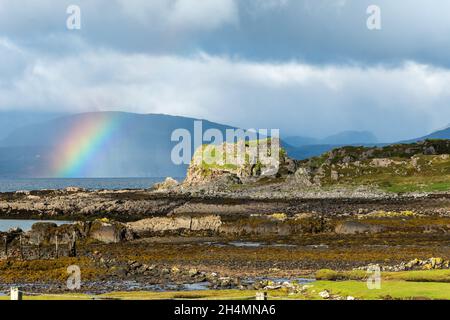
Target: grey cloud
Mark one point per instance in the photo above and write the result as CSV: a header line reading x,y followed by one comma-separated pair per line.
x,y
323,31
306,66
293,96
315,31
129,26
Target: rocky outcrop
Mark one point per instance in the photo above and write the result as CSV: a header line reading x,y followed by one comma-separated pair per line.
x,y
109,232
416,264
42,240
103,231
268,224
167,185
225,168
132,205
120,205
343,168
165,224
370,165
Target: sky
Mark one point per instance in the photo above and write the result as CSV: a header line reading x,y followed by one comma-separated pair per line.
x,y
306,67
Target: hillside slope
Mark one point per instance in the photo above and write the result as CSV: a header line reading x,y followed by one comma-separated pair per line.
x,y
422,166
440,134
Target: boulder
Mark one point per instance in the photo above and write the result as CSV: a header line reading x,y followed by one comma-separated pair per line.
x,y
303,177
163,224
167,184
74,190
324,294
108,232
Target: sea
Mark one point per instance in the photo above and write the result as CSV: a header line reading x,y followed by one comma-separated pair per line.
x,y
20,184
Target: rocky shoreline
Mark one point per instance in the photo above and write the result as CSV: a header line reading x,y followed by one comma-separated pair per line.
x,y
131,205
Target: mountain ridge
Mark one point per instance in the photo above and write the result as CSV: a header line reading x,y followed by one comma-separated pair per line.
x,y
439,134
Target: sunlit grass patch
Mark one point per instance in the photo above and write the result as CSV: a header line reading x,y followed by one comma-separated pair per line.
x,y
389,290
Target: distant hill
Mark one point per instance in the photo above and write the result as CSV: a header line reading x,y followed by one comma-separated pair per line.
x,y
351,138
12,120
341,138
104,144
440,134
300,141
306,147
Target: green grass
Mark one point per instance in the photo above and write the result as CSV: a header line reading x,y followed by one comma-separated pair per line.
x,y
389,289
420,276
391,182
412,276
53,297
425,187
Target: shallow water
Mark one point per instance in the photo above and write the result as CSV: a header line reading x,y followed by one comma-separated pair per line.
x,y
245,244
25,225
248,244
200,286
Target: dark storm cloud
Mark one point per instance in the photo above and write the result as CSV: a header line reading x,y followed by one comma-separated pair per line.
x,y
315,31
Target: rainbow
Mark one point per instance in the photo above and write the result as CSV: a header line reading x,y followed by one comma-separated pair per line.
x,y
83,141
